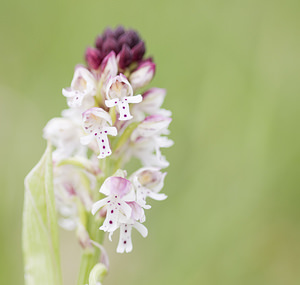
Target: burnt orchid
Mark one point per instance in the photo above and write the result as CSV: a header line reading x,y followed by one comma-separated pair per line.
x,y
83,185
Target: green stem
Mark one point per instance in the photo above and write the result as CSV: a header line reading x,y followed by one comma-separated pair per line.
x,y
90,257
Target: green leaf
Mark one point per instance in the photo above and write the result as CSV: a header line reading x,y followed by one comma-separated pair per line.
x,y
40,233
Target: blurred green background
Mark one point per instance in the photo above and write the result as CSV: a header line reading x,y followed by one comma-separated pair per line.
x,y
231,69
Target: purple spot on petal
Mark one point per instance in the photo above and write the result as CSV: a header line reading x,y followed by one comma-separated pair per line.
x,y
119,204
108,201
95,134
103,146
125,242
116,102
123,107
106,132
112,211
102,140
125,231
125,116
110,222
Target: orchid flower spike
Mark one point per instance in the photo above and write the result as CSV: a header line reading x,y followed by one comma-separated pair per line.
x,y
119,93
95,122
103,102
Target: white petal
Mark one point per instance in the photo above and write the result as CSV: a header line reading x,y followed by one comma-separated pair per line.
x,y
111,131
141,229
110,236
96,206
111,103
126,209
164,142
110,224
157,196
135,99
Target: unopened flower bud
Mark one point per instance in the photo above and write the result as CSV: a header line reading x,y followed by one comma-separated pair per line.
x,y
93,57
119,31
142,75
110,44
125,56
131,38
99,42
134,37
138,51
108,33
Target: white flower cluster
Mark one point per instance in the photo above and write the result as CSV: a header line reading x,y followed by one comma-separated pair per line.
x,y
107,123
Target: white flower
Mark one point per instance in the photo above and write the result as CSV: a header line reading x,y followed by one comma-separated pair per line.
x,y
119,93
71,185
147,150
148,181
83,85
151,104
118,191
95,123
146,141
65,136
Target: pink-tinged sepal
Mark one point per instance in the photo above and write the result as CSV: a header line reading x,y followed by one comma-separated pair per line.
x,y
96,124
116,186
142,75
153,99
137,213
119,93
109,66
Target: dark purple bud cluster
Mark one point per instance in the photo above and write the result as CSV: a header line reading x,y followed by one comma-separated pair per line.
x,y
127,45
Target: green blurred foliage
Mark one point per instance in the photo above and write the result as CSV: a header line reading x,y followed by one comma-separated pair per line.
x,y
231,69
